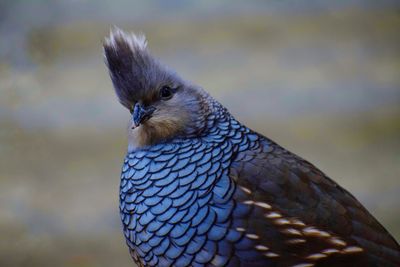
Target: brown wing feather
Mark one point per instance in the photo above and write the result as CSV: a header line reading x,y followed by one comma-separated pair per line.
x,y
311,219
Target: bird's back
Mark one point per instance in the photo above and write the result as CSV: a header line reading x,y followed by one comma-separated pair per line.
x,y
309,218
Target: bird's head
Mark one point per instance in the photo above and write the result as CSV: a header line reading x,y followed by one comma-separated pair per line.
x,y
162,105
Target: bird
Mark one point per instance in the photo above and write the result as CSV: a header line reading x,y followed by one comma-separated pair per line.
x,y
199,188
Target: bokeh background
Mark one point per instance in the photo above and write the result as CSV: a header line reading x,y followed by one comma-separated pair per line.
x,y
322,78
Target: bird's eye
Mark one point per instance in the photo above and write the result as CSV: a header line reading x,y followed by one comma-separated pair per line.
x,y
166,92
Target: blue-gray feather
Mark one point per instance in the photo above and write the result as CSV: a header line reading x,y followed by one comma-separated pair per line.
x,y
176,198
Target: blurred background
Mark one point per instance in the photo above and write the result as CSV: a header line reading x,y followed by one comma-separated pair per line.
x,y
322,78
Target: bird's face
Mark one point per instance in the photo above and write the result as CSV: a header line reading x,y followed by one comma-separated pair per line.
x,y
165,112
162,105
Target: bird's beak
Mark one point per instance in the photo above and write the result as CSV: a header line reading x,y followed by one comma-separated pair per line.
x,y
141,113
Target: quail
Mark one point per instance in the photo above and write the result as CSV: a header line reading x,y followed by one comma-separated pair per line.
x,y
199,188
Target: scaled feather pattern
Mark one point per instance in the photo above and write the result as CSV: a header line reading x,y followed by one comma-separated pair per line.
x,y
198,188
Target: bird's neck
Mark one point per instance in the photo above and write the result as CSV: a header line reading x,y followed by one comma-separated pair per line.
x,y
212,114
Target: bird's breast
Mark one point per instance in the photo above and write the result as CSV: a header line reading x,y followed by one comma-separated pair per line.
x,y
168,189
177,200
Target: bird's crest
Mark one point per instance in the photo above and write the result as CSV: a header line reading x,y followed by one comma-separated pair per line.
x,y
129,63
119,39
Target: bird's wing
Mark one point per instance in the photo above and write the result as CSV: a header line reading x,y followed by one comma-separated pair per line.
x,y
303,216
